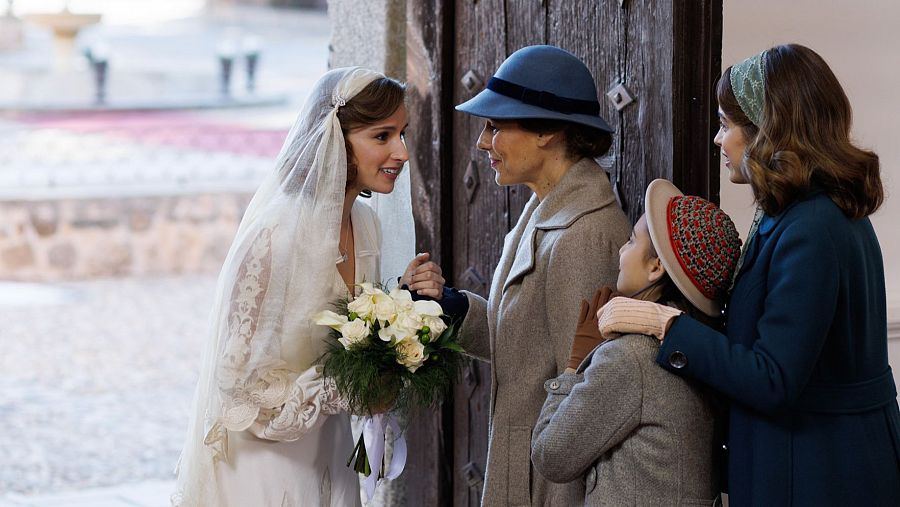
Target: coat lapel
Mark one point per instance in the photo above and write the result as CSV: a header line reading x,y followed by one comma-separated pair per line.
x,y
574,196
766,226
508,258
524,256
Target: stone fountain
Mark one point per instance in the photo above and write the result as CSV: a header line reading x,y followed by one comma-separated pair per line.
x,y
65,26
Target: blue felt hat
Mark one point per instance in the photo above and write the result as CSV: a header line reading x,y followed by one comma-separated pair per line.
x,y
543,82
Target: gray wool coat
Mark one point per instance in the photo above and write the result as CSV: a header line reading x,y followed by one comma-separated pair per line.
x,y
637,434
559,252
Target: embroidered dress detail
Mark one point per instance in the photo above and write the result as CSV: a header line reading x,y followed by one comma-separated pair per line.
x,y
243,395
311,398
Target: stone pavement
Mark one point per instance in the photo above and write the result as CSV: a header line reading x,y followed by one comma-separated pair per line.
x,y
87,154
97,376
143,494
96,387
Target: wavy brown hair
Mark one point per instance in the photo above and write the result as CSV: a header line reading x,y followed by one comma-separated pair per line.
x,y
803,139
376,102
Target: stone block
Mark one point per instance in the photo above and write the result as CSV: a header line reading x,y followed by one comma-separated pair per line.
x,y
62,256
17,257
109,258
45,218
96,214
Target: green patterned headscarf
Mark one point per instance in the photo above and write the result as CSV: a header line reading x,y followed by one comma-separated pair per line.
x,y
748,82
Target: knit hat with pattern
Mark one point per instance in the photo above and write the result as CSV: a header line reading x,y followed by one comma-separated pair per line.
x,y
696,241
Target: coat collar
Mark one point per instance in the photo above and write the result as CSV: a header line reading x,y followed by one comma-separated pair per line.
x,y
768,223
575,195
584,188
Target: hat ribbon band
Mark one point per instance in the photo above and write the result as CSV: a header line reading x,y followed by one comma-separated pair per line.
x,y
544,100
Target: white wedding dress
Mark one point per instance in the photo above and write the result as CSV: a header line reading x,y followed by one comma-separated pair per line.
x,y
311,471
266,430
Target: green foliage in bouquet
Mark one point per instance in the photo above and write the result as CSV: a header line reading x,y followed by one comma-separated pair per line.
x,y
383,353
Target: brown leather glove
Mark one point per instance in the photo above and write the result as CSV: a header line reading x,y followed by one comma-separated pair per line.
x,y
587,336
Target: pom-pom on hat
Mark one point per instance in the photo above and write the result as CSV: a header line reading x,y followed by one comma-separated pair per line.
x,y
696,241
540,82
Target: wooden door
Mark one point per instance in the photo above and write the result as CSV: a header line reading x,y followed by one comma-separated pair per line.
x,y
667,55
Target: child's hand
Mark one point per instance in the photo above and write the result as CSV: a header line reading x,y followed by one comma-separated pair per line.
x,y
587,336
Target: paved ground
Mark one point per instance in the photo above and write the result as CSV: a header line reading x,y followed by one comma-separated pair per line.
x,y
125,153
97,380
96,377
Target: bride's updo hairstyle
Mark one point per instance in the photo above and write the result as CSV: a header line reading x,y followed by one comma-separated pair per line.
x,y
376,102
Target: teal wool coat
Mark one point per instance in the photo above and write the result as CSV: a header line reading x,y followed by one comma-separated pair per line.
x,y
814,417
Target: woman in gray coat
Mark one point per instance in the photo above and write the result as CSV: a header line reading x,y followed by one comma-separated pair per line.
x,y
636,433
543,132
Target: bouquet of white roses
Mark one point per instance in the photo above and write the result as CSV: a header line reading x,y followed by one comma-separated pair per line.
x,y
389,352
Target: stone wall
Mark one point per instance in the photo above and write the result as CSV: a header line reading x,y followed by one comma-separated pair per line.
x,y
66,239
371,34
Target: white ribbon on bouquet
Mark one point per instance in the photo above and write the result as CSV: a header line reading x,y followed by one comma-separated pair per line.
x,y
374,439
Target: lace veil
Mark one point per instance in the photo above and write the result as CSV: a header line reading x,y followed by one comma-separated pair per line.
x,y
280,271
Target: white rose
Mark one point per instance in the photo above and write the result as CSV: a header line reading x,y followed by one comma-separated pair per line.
x,y
409,320
363,306
411,353
353,332
435,324
330,319
385,308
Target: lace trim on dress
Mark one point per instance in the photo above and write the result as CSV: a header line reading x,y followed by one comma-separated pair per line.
x,y
312,398
267,403
244,392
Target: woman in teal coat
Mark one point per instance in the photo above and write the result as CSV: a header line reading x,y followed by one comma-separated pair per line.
x,y
813,414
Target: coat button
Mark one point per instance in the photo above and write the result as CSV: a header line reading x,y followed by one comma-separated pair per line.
x,y
677,359
554,384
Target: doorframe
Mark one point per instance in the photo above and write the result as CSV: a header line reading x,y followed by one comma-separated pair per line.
x,y
697,57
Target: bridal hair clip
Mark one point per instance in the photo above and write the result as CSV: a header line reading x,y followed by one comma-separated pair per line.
x,y
338,101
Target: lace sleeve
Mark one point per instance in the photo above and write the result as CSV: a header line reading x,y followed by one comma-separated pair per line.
x,y
251,376
312,399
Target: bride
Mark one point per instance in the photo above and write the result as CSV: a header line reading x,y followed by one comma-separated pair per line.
x,y
266,428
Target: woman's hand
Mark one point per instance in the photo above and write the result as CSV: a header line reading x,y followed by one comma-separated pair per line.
x,y
623,315
424,277
587,335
